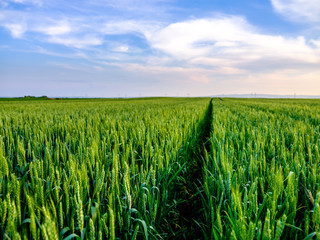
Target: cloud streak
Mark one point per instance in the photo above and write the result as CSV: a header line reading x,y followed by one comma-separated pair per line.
x,y
298,10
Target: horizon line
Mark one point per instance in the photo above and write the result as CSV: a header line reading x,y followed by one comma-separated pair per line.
x,y
221,95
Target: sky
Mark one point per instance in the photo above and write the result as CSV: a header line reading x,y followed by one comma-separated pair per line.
x,y
133,48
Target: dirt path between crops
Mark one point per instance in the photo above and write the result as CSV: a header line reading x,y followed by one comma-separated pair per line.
x,y
191,210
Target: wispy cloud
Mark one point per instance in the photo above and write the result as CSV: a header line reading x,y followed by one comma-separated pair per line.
x,y
79,31
77,42
35,2
54,29
298,10
122,48
16,30
23,2
136,27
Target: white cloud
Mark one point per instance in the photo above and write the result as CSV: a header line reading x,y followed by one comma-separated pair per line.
x,y
16,30
78,54
141,28
316,43
72,30
54,29
25,2
228,42
299,10
77,42
122,48
15,22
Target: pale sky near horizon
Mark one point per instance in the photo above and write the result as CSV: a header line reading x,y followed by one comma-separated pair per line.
x,y
130,48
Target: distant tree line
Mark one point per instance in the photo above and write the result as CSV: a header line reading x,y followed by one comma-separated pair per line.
x,y
41,97
29,97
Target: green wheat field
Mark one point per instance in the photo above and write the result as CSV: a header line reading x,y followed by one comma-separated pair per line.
x,y
160,168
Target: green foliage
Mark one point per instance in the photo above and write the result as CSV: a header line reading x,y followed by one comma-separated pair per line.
x,y
92,169
262,173
116,169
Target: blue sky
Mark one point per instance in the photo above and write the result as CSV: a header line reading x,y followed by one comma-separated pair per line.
x,y
130,48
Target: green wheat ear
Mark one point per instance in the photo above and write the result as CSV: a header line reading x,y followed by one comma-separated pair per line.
x,y
112,224
32,217
80,216
92,232
4,211
316,213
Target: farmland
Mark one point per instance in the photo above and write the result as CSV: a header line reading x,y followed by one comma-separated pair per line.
x,y
261,177
160,168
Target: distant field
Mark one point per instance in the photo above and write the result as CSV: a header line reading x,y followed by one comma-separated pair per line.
x,y
159,168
